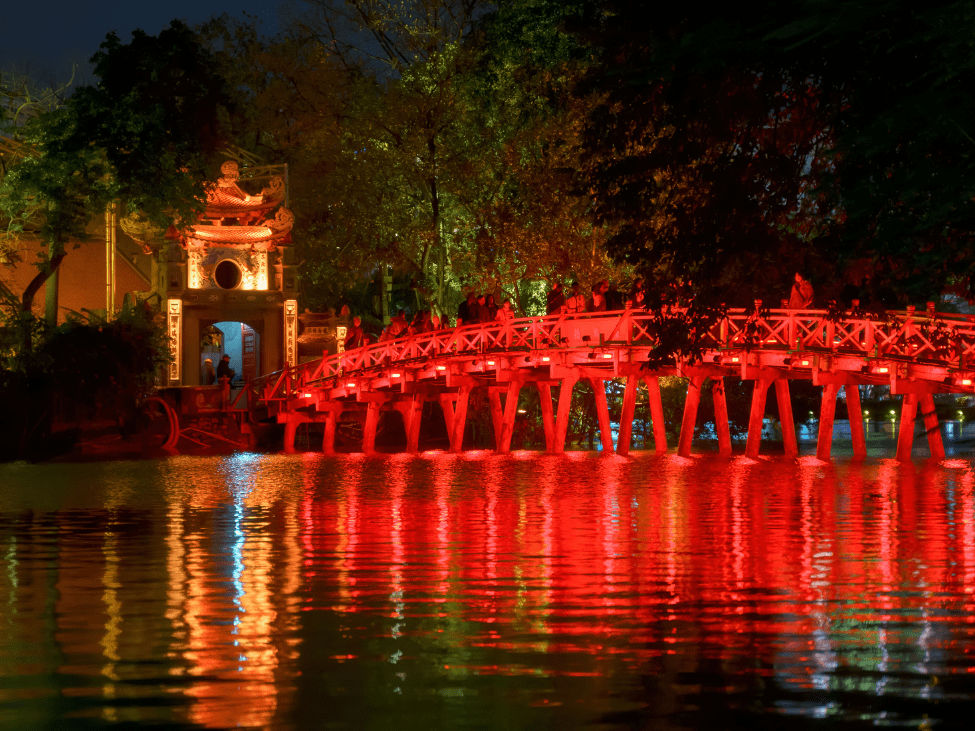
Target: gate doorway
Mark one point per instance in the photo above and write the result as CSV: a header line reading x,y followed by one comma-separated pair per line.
x,y
236,339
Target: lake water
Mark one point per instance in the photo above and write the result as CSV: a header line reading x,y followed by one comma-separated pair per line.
x,y
478,591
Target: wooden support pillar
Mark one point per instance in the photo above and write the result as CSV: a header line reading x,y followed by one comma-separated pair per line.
x,y
460,419
626,415
905,434
412,416
562,417
290,429
756,417
931,426
656,413
721,417
548,419
690,416
497,415
369,430
855,412
784,399
328,440
508,422
602,413
446,401
827,413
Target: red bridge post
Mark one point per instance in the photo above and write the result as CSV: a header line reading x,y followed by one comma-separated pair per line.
x,y
694,385
931,426
721,416
602,413
905,434
548,419
562,417
855,413
626,414
784,400
827,414
756,417
656,413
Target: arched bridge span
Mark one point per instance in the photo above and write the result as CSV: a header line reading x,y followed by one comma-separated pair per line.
x,y
917,355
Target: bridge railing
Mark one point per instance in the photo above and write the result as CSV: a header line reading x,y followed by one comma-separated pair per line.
x,y
945,339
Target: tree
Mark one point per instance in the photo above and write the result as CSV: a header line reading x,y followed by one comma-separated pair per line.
x,y
897,84
410,136
145,136
705,153
734,148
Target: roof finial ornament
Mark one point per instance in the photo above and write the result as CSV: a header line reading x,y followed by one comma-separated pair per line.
x,y
229,174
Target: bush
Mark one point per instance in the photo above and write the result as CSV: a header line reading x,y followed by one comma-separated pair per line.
x,y
77,373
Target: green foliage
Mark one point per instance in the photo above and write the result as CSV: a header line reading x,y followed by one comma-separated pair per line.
x,y
145,136
735,148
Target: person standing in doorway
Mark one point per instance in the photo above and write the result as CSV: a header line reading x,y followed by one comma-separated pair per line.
x,y
225,371
209,375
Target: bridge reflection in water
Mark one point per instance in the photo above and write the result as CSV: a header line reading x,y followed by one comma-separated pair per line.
x,y
283,591
917,355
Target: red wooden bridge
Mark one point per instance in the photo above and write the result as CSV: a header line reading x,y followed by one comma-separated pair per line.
x,y
917,354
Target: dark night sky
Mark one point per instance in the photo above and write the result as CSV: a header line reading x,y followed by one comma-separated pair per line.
x,y
45,37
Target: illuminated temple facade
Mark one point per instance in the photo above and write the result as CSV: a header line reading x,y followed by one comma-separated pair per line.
x,y
234,265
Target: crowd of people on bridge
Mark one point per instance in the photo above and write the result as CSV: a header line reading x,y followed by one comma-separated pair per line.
x,y
483,308
603,296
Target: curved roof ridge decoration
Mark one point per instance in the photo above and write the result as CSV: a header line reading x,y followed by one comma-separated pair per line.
x,y
267,234
227,199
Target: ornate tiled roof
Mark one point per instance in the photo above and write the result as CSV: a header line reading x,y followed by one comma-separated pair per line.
x,y
228,200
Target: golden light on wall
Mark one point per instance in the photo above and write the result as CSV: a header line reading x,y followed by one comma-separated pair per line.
x,y
291,332
193,266
174,323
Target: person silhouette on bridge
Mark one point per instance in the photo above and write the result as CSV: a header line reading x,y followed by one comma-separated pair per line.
x,y
355,337
466,310
802,293
576,302
555,300
597,302
505,312
638,294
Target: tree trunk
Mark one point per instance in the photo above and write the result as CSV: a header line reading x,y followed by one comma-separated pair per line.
x,y
435,210
27,299
51,294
